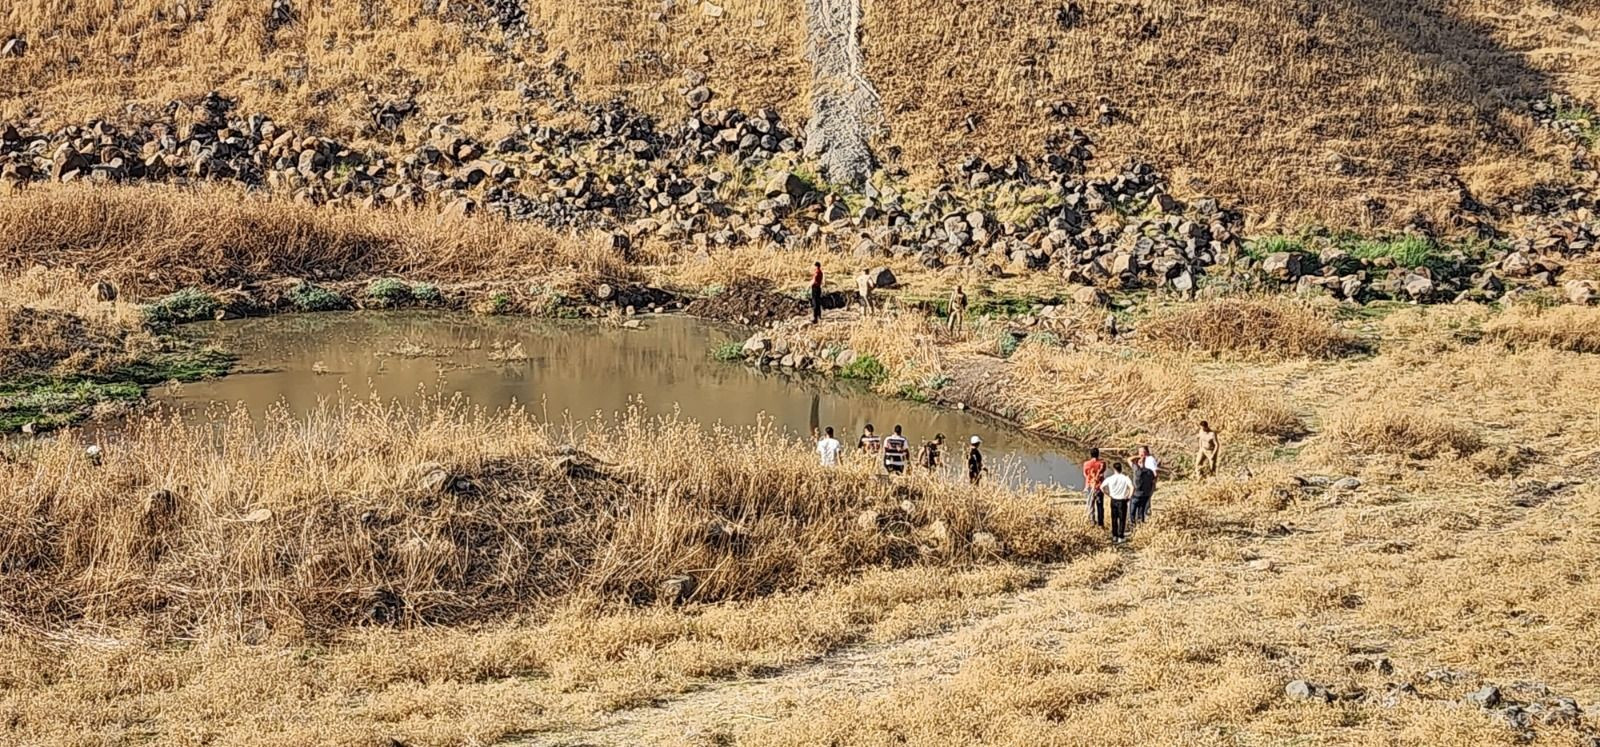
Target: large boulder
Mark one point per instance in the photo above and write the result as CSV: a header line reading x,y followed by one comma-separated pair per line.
x,y
882,277
1416,286
1580,292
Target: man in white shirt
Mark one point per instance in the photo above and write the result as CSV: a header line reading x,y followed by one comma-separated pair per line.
x,y
1119,489
828,448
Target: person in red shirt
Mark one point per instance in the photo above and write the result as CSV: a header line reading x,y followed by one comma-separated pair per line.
x,y
1093,471
816,293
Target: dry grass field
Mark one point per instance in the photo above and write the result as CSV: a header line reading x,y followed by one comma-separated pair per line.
x,y
438,576
1358,114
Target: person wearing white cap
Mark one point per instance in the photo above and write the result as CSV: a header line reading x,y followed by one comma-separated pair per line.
x,y
974,460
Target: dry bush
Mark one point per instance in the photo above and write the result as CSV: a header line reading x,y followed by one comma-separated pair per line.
x,y
1251,328
1571,328
1098,399
44,340
1399,431
370,513
155,239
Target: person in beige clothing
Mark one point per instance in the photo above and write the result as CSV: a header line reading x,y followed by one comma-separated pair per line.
x,y
864,288
1205,460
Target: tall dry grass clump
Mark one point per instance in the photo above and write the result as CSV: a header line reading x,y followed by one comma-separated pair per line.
x,y
1411,432
371,513
155,239
1263,328
1571,328
1095,398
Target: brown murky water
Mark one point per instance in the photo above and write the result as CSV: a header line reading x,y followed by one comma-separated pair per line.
x,y
576,370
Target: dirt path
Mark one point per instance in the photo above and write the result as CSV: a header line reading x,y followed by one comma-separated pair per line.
x,y
728,708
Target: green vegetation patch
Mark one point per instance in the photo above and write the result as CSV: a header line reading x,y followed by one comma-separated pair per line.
x,y
866,368
313,297
54,401
731,350
389,292
1586,119
1406,251
187,305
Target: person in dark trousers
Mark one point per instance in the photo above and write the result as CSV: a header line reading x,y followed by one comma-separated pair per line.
x,y
931,456
1119,489
896,451
816,292
974,461
1093,471
1144,485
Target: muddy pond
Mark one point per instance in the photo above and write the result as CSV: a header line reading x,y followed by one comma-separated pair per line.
x,y
572,371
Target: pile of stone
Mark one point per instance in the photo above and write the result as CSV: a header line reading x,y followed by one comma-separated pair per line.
x,y
723,178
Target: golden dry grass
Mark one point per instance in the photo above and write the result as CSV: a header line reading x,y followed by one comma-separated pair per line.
x,y
1263,328
367,513
1356,115
150,240
1574,328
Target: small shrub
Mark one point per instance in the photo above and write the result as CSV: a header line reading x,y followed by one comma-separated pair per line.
x,y
1006,344
426,293
731,350
312,297
389,292
187,305
1406,251
866,368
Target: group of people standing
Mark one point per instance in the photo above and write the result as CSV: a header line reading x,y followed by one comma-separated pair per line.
x,y
894,451
1130,492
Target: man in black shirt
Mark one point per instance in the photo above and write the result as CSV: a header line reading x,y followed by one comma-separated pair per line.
x,y
974,461
1144,485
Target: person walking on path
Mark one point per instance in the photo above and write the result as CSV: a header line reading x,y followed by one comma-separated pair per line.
x,y
1144,485
828,448
931,456
958,309
1093,471
1119,488
895,452
974,460
864,286
1205,461
816,292
869,443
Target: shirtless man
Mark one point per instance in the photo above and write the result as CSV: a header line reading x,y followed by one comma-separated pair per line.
x,y
1205,460
958,309
864,288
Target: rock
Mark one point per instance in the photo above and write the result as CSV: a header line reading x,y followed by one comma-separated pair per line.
x,y
1369,663
1306,691
1580,292
1259,564
16,46
698,96
756,345
985,542
1123,264
676,589
1283,266
845,357
1487,696
435,478
632,324
1183,282
604,292
882,277
1417,287
1347,483
867,520
711,10
1089,295
786,183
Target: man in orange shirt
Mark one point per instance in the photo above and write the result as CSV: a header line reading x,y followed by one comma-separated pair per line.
x,y
1093,470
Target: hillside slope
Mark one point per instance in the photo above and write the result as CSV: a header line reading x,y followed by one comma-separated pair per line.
x,y
1358,114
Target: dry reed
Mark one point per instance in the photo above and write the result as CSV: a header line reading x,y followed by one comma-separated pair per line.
x,y
1251,328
